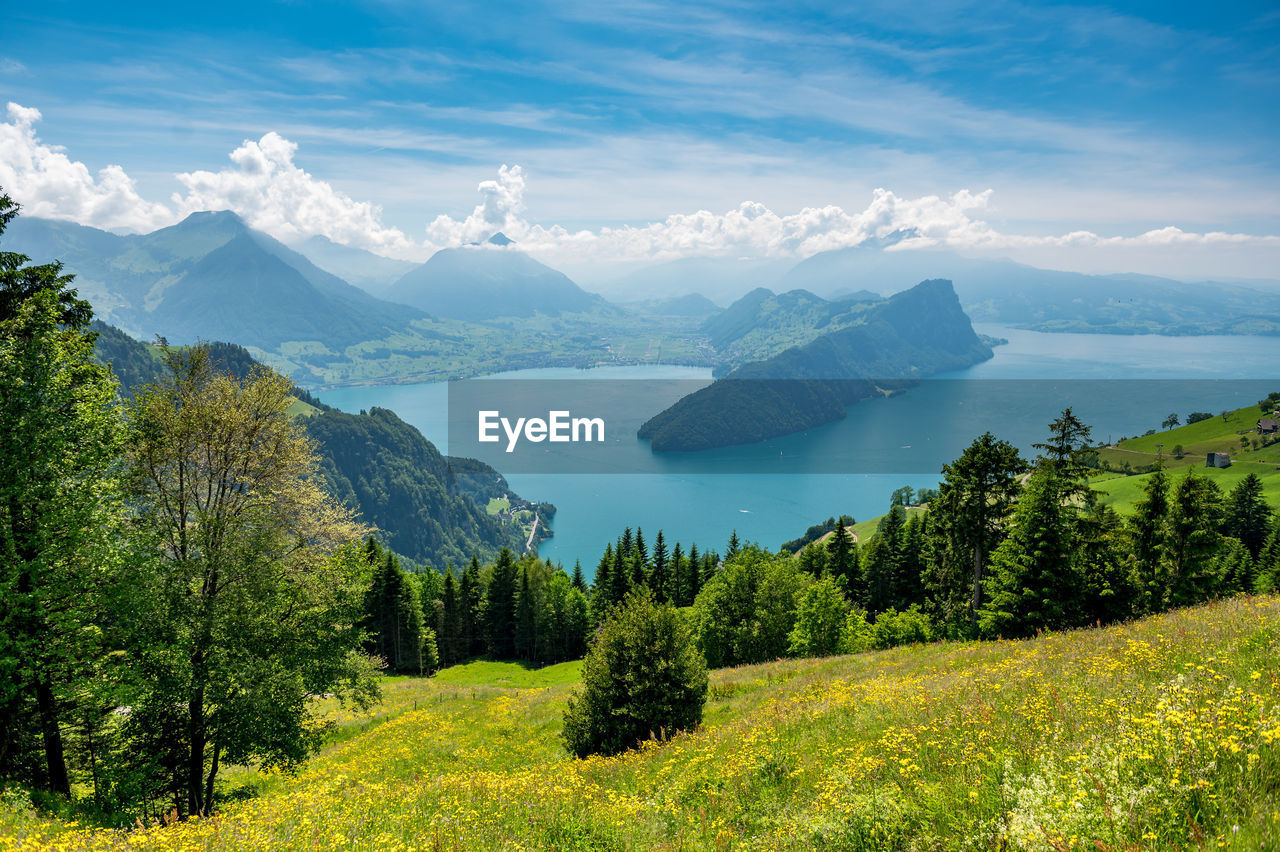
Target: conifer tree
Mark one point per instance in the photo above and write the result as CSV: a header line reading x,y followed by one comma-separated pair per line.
x,y
449,641
579,581
694,574
1148,537
967,521
842,559
1247,516
471,599
659,577
679,580
500,607
639,561
734,546
1033,583
526,640
1195,508
620,574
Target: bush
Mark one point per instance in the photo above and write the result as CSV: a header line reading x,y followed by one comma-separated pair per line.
x,y
893,628
821,613
858,635
643,676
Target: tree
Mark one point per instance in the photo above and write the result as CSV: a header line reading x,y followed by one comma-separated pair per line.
x,y
1193,542
471,597
1247,516
746,612
1033,584
842,560
393,617
1148,536
904,496
642,678
60,434
659,575
1067,455
500,607
967,522
1170,421
821,615
579,581
450,639
527,616
252,598
733,547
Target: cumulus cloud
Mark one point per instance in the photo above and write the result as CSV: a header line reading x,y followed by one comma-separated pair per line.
x,y
752,229
272,194
264,185
502,202
48,183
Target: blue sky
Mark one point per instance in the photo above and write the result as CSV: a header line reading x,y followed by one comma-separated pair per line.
x,y
1116,120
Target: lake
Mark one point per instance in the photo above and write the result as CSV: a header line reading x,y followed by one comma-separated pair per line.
x,y
1015,394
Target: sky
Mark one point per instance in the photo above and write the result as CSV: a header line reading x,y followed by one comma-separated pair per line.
x,y
1125,137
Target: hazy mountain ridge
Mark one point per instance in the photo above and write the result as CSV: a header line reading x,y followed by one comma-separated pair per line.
x,y
427,506
478,283
913,334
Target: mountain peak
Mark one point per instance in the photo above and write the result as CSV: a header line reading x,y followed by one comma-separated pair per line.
x,y
500,239
212,217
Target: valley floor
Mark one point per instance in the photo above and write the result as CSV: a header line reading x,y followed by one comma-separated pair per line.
x,y
1162,734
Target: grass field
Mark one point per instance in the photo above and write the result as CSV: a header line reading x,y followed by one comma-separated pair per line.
x,y
1163,734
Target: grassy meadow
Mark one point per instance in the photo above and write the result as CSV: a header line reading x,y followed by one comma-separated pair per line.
x,y
1161,734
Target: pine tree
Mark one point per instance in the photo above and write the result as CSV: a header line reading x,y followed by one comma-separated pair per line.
x,y
620,574
1148,535
603,581
1067,455
679,579
449,641
734,546
470,594
1267,565
659,577
1194,511
639,561
1247,516
579,581
693,581
882,563
526,640
1033,584
967,521
842,559
500,607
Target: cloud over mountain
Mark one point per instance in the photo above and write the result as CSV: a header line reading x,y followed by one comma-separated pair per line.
x,y
272,193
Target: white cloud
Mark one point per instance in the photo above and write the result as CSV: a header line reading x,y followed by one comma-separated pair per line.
x,y
499,210
272,194
48,183
264,185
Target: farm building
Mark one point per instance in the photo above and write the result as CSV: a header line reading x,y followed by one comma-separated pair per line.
x,y
1218,460
1267,425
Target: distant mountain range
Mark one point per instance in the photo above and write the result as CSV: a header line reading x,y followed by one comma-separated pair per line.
x,y
912,335
370,272
478,283
211,277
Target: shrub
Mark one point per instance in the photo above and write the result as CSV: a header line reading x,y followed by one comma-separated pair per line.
x,y
643,676
821,613
893,628
857,636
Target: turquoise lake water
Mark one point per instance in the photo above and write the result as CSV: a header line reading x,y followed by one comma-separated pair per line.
x,y
1028,381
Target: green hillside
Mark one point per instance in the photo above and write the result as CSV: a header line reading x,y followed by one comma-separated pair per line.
x,y
1161,734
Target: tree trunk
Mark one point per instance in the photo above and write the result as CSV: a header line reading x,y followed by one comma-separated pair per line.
x,y
213,773
51,734
195,760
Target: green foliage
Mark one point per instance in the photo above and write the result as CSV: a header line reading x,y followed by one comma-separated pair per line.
x,y
60,514
893,628
642,678
821,616
393,615
383,467
745,614
250,597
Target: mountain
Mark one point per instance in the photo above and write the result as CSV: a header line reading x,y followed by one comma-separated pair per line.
x,y
426,506
1003,291
692,305
763,323
720,279
371,272
477,283
211,276
913,334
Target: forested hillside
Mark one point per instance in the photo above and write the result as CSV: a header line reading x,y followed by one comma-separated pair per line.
x,y
914,334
